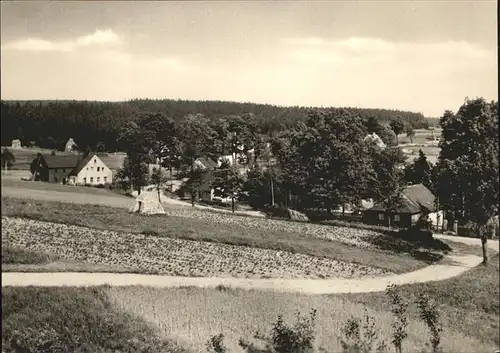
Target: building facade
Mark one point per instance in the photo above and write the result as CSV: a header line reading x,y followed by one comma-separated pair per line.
x,y
71,169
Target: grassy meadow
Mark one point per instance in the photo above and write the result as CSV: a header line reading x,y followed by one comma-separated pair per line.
x,y
41,186
140,319
469,307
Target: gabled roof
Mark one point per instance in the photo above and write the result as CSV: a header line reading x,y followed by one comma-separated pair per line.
x,y
83,162
414,199
207,162
61,161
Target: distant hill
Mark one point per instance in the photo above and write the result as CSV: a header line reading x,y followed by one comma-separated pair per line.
x,y
51,123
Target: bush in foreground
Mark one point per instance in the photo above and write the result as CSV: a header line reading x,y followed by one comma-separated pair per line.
x,y
359,335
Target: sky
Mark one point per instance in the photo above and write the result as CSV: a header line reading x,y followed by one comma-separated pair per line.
x,y
423,56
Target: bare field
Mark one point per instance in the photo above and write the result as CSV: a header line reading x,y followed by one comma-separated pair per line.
x,y
160,255
336,243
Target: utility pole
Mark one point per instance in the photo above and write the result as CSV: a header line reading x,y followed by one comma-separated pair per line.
x,y
272,191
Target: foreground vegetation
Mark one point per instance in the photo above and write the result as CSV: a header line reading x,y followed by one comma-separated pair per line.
x,y
468,307
79,320
456,315
381,251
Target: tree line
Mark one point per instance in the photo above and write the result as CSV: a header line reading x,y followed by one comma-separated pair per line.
x,y
49,124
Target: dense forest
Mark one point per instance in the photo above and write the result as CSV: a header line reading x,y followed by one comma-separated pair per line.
x,y
49,124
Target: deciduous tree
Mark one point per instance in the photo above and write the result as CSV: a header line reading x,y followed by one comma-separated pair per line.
x,y
387,183
467,168
398,126
420,172
228,182
410,132
8,159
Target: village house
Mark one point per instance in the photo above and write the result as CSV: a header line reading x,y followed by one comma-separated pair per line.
x,y
207,193
205,163
71,169
374,138
16,144
416,200
70,145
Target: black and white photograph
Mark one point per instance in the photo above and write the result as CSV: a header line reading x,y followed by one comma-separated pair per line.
x,y
250,176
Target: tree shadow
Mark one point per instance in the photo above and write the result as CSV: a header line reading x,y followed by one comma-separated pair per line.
x,y
419,244
426,256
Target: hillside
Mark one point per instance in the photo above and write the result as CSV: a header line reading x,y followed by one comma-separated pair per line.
x,y
49,124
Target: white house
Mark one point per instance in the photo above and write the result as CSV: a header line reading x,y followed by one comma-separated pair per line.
x,y
16,144
91,171
374,138
231,158
69,145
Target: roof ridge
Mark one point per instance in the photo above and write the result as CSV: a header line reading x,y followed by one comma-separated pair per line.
x,y
410,200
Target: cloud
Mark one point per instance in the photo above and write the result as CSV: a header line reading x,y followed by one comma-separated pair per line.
x,y
99,37
359,50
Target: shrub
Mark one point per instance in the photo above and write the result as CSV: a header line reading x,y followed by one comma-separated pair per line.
x,y
276,211
359,336
430,316
284,338
398,308
361,339
216,344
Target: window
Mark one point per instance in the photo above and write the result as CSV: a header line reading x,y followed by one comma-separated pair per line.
x,y
397,218
98,179
95,160
98,168
91,180
85,180
87,168
105,179
381,216
92,168
55,170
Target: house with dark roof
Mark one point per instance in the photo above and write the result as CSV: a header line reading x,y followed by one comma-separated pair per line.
x,y
205,163
71,169
416,200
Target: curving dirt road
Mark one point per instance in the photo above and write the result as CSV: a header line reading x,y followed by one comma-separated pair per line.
x,y
429,274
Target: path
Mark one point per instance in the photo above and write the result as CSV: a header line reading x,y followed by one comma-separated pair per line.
x,y
431,273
